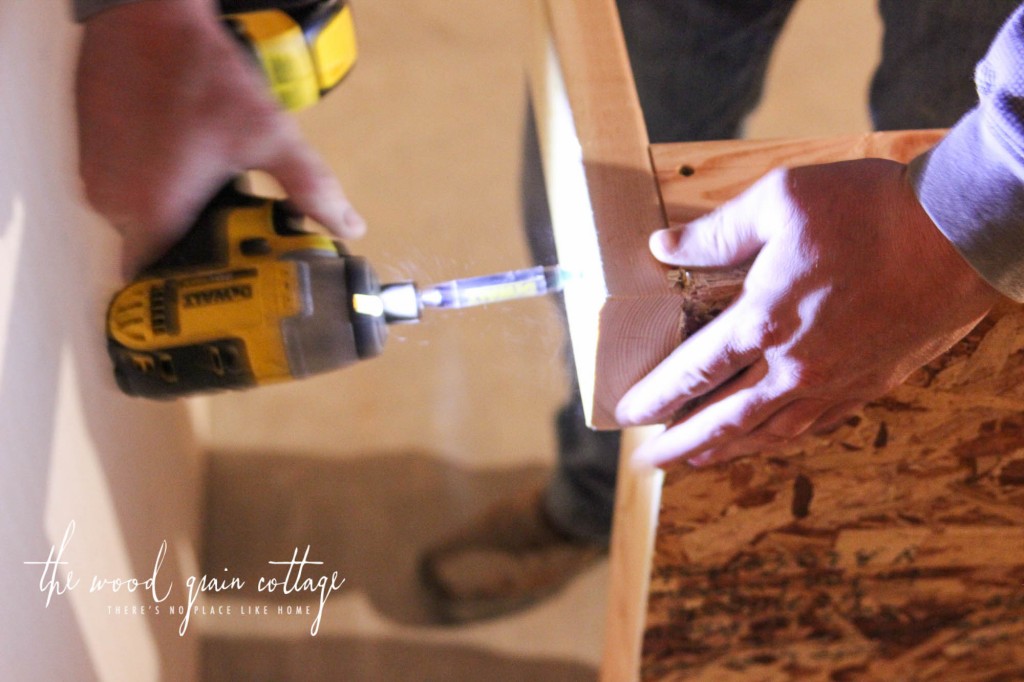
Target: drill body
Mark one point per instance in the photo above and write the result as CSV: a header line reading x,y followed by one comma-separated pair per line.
x,y
245,298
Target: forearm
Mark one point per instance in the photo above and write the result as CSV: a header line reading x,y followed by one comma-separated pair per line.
x,y
972,183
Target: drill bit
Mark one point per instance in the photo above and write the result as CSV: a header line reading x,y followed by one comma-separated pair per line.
x,y
503,286
400,302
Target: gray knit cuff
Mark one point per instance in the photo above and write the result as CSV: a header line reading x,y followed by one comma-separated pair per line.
x,y
973,189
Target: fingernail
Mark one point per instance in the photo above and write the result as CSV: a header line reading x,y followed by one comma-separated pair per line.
x,y
639,462
663,242
354,224
702,460
339,216
626,412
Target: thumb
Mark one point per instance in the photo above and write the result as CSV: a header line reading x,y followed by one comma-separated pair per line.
x,y
727,236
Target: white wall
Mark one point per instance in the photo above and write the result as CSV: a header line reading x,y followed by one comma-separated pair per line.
x,y
71,448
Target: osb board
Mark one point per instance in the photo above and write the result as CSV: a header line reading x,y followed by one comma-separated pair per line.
x,y
889,549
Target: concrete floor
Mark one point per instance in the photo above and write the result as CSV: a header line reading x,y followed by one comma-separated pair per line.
x,y
369,465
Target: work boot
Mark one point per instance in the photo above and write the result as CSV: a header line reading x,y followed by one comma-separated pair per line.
x,y
509,558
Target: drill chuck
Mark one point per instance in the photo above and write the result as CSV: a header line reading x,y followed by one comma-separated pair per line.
x,y
400,302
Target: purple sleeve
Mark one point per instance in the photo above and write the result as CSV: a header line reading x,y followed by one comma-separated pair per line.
x,y
972,182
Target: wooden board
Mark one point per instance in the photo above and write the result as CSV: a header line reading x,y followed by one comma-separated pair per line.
x,y
604,202
695,177
603,197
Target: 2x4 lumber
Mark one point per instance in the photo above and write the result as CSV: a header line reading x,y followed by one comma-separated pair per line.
x,y
604,202
603,196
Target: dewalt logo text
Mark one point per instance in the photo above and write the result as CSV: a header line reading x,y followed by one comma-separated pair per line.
x,y
235,292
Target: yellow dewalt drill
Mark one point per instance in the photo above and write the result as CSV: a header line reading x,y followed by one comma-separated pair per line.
x,y
247,297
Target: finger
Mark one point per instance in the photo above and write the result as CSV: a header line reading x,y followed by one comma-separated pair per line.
x,y
788,423
727,236
745,406
312,187
791,421
709,358
263,137
834,417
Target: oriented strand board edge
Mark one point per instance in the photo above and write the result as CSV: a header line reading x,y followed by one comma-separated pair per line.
x,y
637,502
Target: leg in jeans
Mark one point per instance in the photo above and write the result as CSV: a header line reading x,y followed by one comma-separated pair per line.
x,y
930,48
580,496
699,66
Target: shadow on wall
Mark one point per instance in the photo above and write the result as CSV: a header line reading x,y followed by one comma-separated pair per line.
x,y
369,518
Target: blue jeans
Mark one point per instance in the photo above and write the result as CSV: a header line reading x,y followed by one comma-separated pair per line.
x,y
699,67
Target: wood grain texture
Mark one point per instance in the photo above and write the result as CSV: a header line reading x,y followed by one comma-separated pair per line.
x,y
637,504
604,202
695,177
602,192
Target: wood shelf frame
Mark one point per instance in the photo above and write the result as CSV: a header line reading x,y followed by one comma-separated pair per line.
x,y
945,453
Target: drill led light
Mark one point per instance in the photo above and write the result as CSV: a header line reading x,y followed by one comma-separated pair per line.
x,y
368,304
